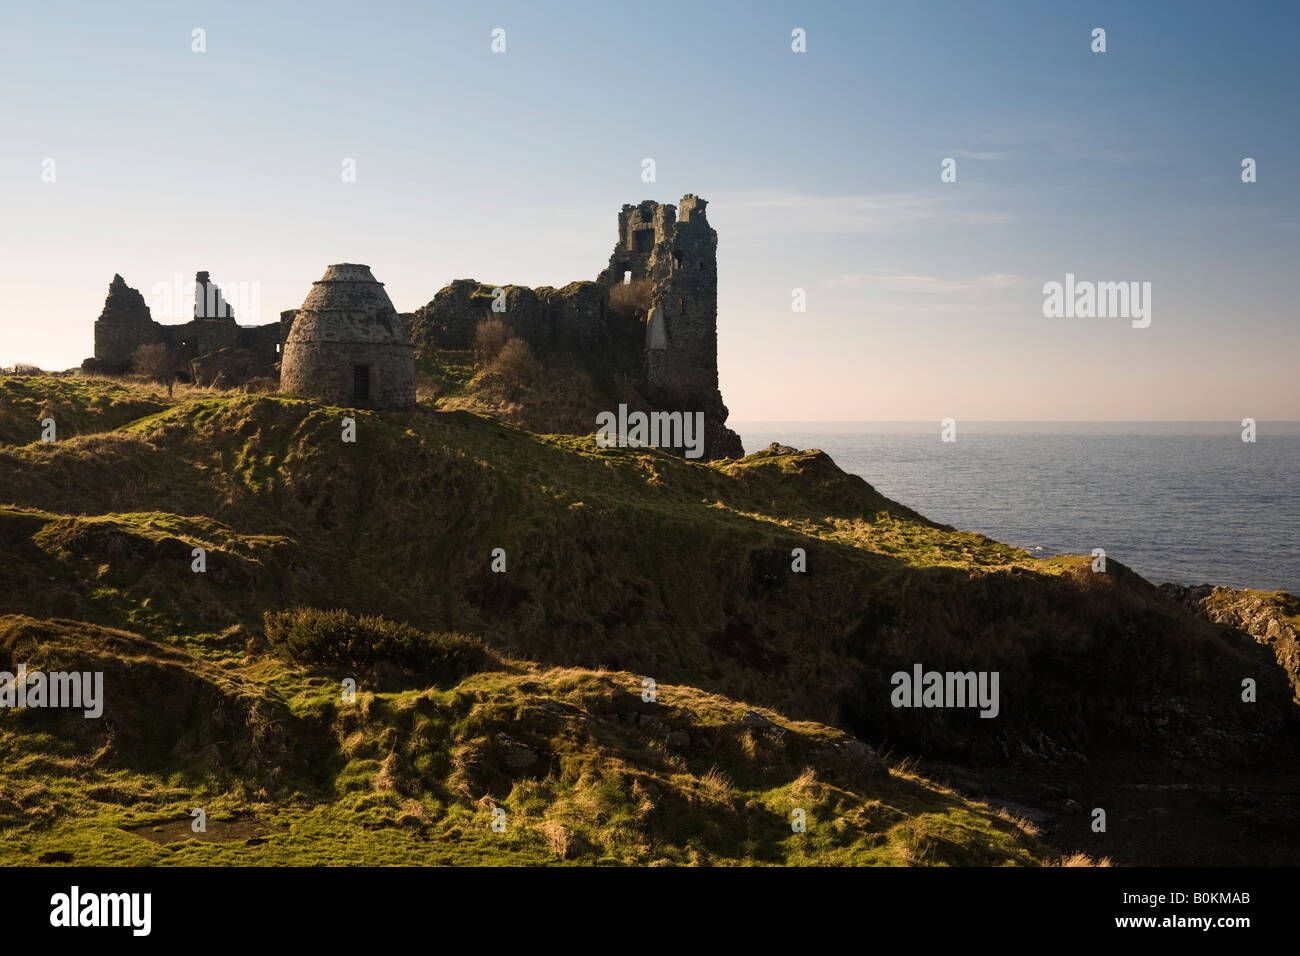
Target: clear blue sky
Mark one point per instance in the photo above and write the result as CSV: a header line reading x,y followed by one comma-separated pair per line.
x,y
822,171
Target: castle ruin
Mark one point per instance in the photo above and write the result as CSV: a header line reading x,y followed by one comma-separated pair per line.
x,y
679,258
666,257
648,321
211,349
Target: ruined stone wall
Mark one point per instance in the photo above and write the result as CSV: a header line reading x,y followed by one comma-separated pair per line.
x,y
323,371
240,352
262,340
123,326
200,336
449,320
682,353
663,345
641,230
209,303
572,320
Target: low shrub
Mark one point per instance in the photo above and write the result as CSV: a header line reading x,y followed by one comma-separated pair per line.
x,y
516,363
339,639
490,337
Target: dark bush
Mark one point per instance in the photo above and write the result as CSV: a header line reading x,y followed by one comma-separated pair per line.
x,y
339,639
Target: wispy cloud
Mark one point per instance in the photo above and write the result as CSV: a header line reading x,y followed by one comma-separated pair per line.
x,y
927,284
787,213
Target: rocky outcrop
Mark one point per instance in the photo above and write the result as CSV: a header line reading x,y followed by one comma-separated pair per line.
x,y
1271,618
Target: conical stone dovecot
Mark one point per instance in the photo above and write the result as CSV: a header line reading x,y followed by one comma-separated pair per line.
x,y
348,346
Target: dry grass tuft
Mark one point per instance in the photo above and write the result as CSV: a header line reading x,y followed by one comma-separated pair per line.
x,y
716,785
558,838
1081,859
631,298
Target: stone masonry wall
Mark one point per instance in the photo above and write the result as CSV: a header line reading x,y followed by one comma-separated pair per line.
x,y
323,371
126,323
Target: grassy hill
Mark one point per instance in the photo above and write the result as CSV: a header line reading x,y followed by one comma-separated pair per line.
x,y
584,769
621,565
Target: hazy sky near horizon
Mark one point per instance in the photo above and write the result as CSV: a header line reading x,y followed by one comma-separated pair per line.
x,y
822,171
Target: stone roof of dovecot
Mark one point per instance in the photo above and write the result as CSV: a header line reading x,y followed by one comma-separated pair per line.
x,y
348,305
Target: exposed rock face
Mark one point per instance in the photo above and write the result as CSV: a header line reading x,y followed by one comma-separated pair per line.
x,y
348,346
1271,619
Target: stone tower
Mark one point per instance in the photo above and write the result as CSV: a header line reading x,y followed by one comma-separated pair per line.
x,y
678,257
348,346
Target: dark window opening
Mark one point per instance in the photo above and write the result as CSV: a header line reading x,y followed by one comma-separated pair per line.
x,y
677,259
361,383
643,240
700,267
681,305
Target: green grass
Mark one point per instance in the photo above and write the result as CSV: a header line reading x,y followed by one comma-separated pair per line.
x,y
449,372
78,406
414,777
622,564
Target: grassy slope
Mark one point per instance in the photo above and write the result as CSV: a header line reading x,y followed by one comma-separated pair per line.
x,y
560,399
413,776
621,563
76,407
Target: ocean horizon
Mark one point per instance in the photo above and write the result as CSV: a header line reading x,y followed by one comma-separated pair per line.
x,y
1186,502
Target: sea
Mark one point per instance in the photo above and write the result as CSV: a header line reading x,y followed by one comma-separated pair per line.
x,y
1185,502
